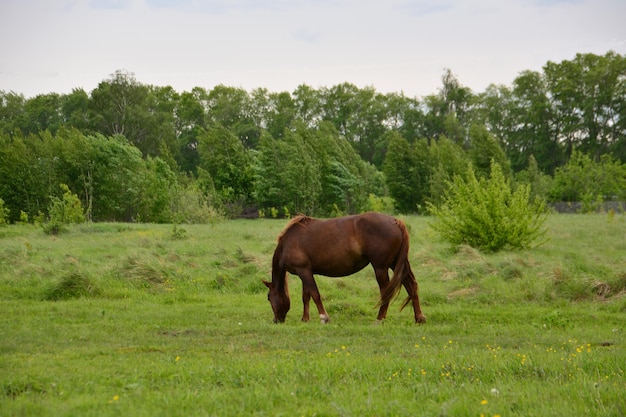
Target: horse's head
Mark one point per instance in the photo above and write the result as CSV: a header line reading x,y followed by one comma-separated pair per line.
x,y
280,302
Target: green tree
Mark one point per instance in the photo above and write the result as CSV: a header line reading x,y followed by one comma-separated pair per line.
x,y
118,172
447,160
308,105
123,106
404,115
12,113
534,125
28,174
280,113
540,183
233,108
484,148
229,164
343,174
407,173
450,112
162,103
159,192
358,115
43,113
190,122
287,175
75,110
588,93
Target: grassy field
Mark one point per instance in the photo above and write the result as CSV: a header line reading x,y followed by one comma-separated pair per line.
x,y
157,320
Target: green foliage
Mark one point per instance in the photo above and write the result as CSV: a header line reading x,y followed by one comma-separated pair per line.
x,y
484,150
228,163
192,206
159,192
4,213
486,214
144,115
344,176
407,173
587,92
287,174
380,204
123,147
447,159
589,182
64,211
540,183
26,174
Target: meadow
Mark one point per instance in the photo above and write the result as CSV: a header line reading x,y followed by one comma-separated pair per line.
x,y
113,319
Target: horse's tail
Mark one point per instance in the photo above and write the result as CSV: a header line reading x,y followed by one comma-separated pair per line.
x,y
401,269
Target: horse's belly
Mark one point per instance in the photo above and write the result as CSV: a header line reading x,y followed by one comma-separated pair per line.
x,y
339,268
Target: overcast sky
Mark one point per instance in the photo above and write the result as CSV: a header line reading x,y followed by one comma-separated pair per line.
x,y
393,45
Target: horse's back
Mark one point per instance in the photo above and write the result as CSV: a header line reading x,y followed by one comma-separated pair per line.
x,y
343,245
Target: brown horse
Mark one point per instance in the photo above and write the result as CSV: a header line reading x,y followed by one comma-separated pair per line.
x,y
340,247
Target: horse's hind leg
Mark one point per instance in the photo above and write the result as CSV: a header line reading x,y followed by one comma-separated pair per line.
x,y
382,277
310,290
410,284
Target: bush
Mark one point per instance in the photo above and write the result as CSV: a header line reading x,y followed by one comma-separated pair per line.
x,y
590,182
193,207
380,204
64,211
4,213
487,215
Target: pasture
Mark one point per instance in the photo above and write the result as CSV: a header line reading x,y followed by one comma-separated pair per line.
x,y
162,320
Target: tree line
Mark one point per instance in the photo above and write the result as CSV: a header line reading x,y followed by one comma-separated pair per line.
x,y
136,152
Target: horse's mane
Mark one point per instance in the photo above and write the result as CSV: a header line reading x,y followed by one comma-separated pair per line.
x,y
300,219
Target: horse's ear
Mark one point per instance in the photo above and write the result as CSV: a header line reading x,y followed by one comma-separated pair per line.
x,y
267,284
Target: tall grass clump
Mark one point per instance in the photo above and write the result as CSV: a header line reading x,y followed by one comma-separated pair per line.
x,y
144,272
73,285
487,214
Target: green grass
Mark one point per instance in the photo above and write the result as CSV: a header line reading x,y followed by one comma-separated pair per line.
x,y
146,320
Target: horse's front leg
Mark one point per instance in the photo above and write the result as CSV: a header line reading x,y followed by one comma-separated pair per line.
x,y
310,290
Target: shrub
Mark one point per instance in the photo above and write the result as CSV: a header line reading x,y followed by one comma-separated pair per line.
x,y
487,215
64,211
193,207
590,182
380,204
4,213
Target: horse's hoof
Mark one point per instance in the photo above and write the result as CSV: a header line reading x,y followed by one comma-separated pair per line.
x,y
324,318
379,322
420,320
